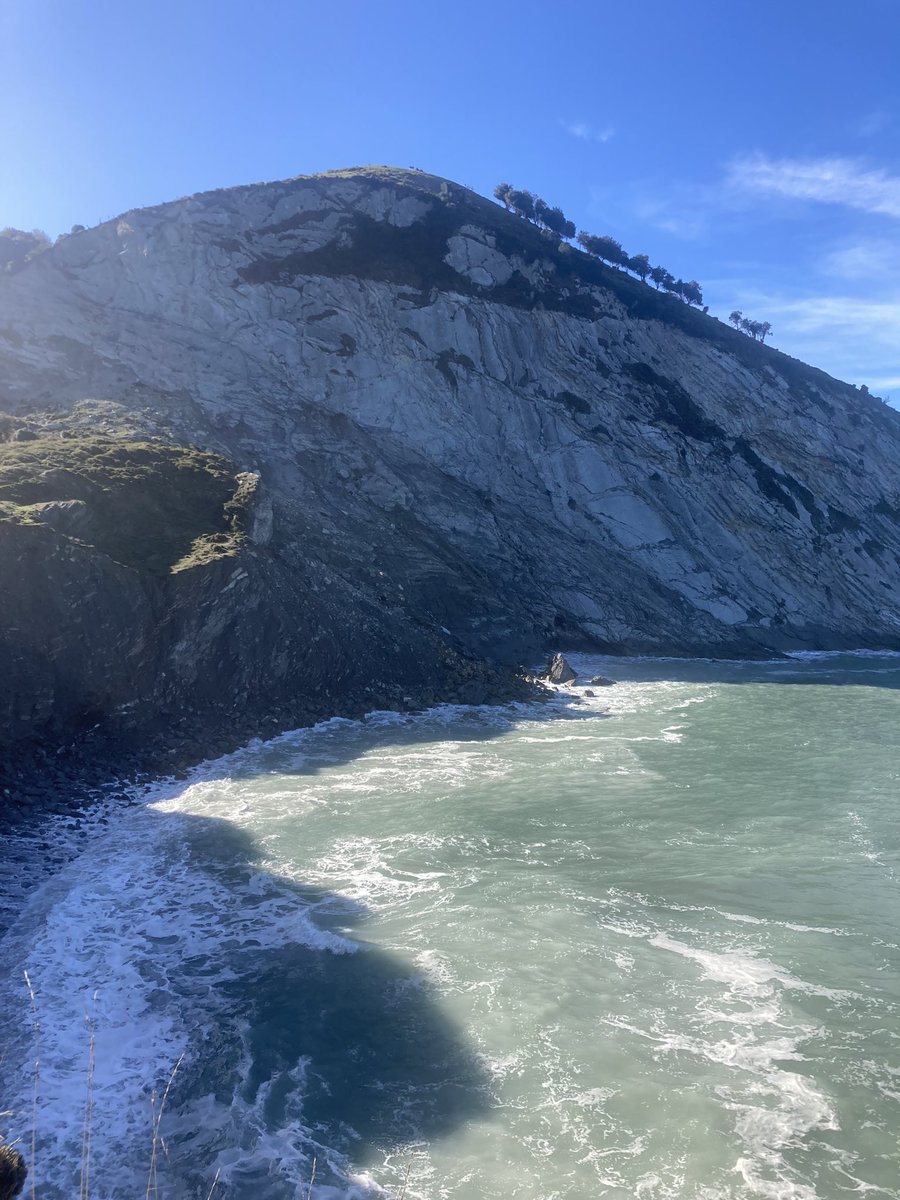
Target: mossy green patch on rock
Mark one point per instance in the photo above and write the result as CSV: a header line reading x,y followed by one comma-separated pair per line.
x,y
149,506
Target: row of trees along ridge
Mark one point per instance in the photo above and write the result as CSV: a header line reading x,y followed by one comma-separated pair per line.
x,y
756,329
607,249
533,208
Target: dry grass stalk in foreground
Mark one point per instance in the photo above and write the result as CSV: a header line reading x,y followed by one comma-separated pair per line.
x,y
88,1111
405,1180
37,1078
152,1183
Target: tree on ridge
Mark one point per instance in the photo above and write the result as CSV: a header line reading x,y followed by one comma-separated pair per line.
x,y
640,266
522,203
692,292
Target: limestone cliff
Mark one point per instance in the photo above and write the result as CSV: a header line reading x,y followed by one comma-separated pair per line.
x,y
469,437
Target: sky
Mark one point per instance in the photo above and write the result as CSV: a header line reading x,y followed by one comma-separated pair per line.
x,y
754,147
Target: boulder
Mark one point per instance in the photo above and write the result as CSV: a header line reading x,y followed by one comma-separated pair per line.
x,y
602,681
559,671
70,517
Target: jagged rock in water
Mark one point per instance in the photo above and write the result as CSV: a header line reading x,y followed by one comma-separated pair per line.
x,y
471,444
559,671
602,681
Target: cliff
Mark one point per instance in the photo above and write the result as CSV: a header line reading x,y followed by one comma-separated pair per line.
x,y
472,442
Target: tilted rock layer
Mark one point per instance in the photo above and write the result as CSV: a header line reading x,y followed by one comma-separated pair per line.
x,y
468,437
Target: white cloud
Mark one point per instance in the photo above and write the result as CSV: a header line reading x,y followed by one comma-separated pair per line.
x,y
870,321
853,338
843,181
586,132
883,386
872,261
682,220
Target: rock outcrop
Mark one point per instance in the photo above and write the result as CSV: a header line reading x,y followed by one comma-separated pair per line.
x,y
152,603
559,670
472,442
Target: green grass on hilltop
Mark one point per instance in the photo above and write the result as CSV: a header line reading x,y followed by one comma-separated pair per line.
x,y
153,507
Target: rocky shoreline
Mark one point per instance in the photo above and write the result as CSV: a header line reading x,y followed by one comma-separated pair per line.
x,y
52,798
42,780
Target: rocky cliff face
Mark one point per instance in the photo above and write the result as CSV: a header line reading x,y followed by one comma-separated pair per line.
x,y
146,613
469,436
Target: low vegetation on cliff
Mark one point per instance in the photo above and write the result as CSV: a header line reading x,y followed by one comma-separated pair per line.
x,y
155,508
606,249
532,208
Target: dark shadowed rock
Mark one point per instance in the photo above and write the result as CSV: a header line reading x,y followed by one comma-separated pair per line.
x,y
70,517
13,1172
602,681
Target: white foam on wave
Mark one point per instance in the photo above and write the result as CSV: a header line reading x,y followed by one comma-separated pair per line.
x,y
744,973
743,992
119,921
362,869
117,929
619,896
775,1108
736,1015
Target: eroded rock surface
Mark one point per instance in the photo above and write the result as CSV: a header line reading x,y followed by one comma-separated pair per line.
x,y
559,670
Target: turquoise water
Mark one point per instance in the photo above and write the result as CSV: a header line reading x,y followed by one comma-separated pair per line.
x,y
638,945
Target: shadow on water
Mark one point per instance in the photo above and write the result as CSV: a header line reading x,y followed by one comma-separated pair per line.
x,y
331,1046
311,1041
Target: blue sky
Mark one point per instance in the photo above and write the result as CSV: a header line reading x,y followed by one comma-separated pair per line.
x,y
752,146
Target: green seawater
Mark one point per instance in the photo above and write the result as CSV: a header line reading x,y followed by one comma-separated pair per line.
x,y
641,944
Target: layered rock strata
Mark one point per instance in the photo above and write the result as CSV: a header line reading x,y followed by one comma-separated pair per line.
x,y
472,442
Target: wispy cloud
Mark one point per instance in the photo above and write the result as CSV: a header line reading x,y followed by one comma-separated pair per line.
x,y
846,316
586,132
886,386
843,181
854,338
871,261
674,216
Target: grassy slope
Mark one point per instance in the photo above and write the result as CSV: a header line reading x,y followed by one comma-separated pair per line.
x,y
152,507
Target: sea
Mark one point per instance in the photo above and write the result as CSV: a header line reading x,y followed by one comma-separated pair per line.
x,y
643,944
